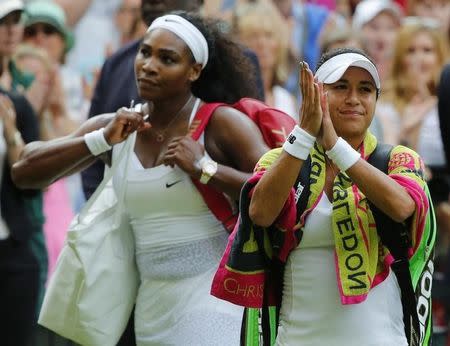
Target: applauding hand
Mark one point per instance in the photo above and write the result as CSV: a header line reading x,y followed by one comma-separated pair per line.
x,y
311,111
327,135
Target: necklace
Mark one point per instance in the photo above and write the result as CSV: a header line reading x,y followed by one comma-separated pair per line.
x,y
160,135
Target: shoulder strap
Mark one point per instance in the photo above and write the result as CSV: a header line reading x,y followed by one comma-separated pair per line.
x,y
397,242
201,118
396,238
302,186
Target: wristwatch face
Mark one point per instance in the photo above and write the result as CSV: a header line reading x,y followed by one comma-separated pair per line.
x,y
209,167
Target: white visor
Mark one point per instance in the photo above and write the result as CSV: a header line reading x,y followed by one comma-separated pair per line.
x,y
333,69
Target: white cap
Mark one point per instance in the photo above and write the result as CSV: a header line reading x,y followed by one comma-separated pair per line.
x,y
333,69
8,6
367,10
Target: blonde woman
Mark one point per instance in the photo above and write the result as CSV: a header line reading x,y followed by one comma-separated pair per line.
x,y
408,110
259,26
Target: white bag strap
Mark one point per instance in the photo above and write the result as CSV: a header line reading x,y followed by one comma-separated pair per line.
x,y
125,152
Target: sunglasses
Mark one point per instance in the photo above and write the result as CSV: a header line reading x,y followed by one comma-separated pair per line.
x,y
46,29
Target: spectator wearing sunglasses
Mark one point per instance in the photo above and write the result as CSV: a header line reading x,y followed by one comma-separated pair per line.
x,y
46,27
11,31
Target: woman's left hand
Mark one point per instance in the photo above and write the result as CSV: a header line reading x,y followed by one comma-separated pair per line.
x,y
327,135
184,152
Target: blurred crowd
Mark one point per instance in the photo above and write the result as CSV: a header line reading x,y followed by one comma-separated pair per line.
x,y
52,53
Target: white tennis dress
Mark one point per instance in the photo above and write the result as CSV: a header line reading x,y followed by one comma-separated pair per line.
x,y
179,244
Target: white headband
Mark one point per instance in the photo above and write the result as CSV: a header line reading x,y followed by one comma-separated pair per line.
x,y
185,30
333,69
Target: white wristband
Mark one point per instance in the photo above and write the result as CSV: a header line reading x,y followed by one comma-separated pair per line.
x,y
299,143
343,155
96,142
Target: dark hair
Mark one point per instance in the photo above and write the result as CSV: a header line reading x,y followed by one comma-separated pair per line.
x,y
229,74
338,51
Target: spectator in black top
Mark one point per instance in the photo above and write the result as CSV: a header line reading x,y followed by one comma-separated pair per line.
x,y
19,270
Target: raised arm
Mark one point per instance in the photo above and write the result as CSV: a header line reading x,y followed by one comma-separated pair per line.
x,y
272,190
42,163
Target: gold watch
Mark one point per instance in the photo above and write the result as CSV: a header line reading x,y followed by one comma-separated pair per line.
x,y
208,167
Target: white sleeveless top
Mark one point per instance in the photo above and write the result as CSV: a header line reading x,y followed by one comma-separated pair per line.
x,y
167,212
312,313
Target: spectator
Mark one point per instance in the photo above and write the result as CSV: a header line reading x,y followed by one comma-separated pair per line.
x,y
65,103
260,27
45,27
408,110
339,38
439,10
19,266
92,22
57,207
16,81
378,22
306,22
12,30
409,115
129,22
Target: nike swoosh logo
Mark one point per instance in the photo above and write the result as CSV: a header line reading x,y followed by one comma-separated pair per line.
x,y
172,184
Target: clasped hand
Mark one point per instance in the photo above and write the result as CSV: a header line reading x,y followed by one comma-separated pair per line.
x,y
126,121
315,115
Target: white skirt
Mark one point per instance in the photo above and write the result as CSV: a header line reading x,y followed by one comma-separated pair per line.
x,y
173,308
